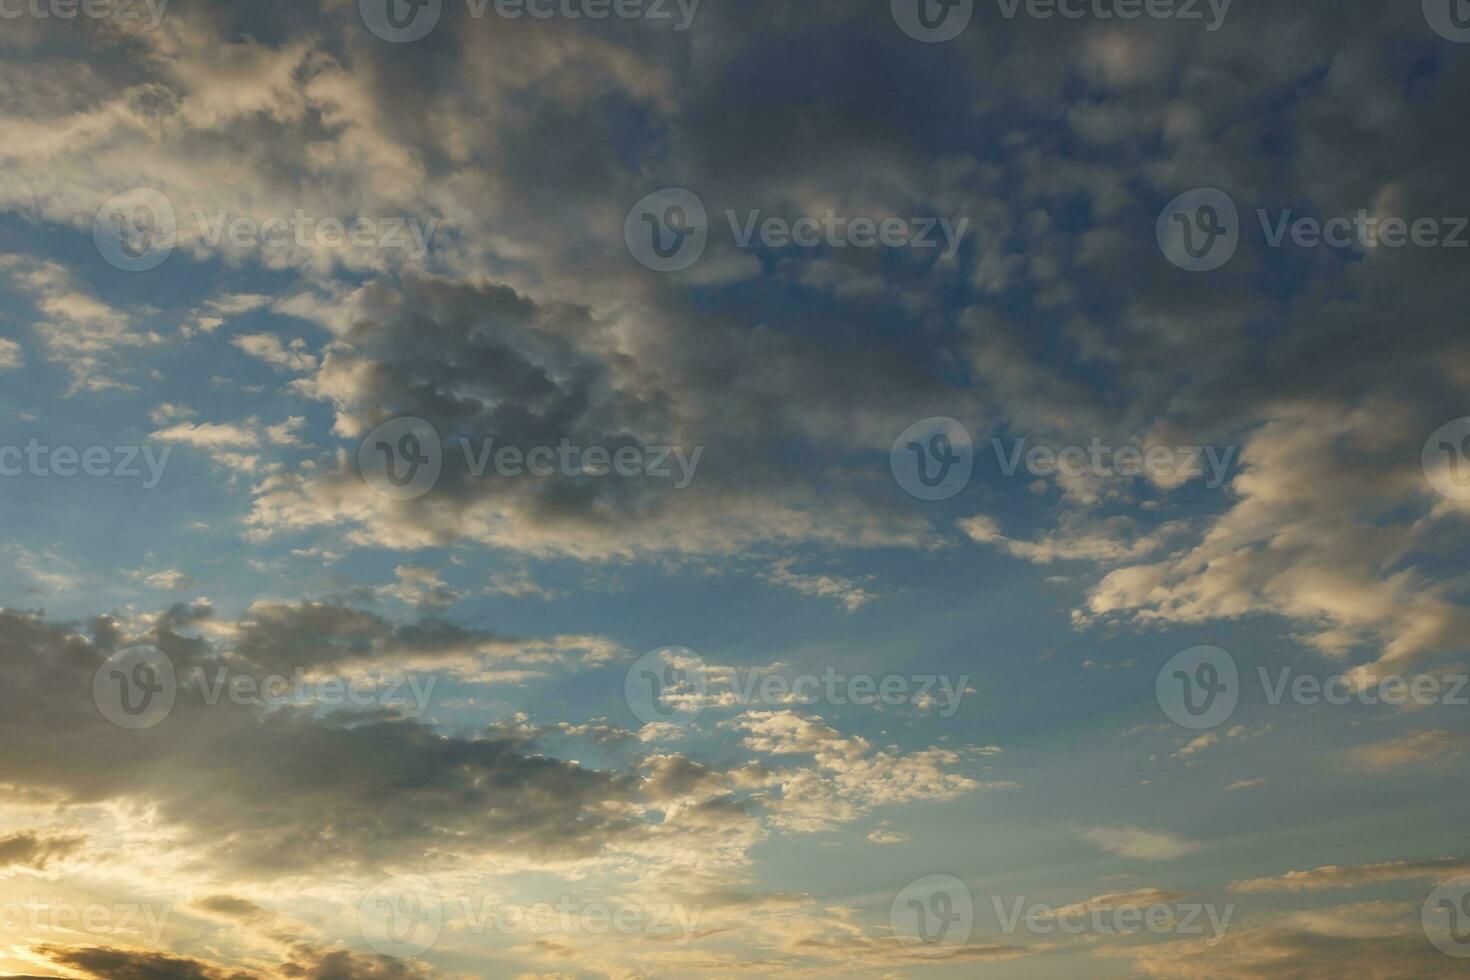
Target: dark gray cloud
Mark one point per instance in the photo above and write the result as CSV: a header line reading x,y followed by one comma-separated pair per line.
x,y
304,962
31,850
375,785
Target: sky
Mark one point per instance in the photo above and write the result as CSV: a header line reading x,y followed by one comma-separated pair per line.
x,y
692,488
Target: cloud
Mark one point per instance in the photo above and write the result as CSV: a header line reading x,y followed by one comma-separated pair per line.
x,y
1293,544
1354,876
10,355
850,778
419,586
1319,945
86,337
1435,748
31,850
303,963
268,347
847,592
1142,845
379,786
168,579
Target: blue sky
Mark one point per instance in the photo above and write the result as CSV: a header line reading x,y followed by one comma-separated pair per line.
x,y
289,358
